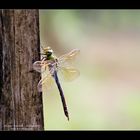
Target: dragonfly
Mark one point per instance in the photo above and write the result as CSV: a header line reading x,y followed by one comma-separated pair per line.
x,y
50,66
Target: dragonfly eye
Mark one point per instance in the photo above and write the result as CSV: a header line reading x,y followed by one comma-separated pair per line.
x,y
49,53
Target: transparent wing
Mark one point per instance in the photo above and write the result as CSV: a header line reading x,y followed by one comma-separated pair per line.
x,y
65,62
69,73
46,82
40,66
68,59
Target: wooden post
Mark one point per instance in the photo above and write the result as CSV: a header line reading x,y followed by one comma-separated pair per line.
x,y
20,104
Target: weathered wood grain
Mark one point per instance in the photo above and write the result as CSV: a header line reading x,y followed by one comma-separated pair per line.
x,y
20,103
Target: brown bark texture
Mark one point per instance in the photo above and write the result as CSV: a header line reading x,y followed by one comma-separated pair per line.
x,y
20,104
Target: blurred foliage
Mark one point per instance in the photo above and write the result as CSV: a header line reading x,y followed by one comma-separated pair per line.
x,y
107,94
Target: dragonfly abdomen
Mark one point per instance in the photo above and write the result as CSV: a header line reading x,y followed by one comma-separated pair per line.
x,y
61,94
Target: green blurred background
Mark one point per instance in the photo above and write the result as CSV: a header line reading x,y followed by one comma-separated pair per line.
x,y
107,93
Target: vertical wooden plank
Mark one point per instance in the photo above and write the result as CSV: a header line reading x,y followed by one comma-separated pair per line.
x,y
22,107
1,73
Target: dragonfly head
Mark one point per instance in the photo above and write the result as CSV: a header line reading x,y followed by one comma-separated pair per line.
x,y
47,51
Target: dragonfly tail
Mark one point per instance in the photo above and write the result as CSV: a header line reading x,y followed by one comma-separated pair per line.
x,y
62,95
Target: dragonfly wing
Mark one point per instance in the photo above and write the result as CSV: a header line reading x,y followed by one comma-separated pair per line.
x,y
69,73
68,59
37,66
40,66
45,83
65,62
